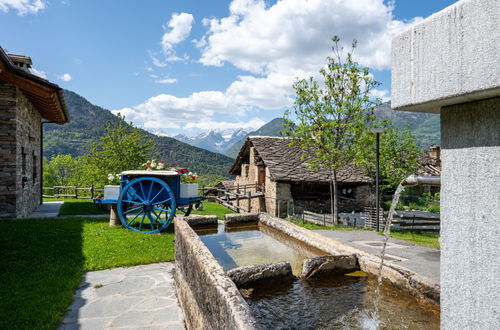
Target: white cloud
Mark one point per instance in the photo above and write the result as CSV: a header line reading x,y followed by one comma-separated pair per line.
x,y
156,61
65,77
165,109
23,7
383,94
41,74
166,81
176,31
291,33
274,45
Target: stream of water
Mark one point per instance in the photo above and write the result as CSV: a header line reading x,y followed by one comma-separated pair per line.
x,y
387,233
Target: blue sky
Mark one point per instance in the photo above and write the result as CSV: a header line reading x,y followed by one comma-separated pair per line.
x,y
186,66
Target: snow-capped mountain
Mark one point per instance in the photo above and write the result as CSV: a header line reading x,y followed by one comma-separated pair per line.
x,y
218,140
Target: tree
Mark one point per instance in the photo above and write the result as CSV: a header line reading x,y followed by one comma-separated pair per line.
x,y
399,155
123,147
60,170
332,117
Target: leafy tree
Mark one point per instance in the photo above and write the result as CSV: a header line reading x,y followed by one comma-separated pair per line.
x,y
399,155
123,147
60,170
332,117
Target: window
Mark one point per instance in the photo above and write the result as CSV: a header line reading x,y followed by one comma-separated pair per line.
x,y
35,168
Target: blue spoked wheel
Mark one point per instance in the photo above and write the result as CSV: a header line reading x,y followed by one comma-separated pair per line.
x,y
146,205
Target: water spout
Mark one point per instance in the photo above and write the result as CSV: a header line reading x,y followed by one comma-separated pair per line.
x,y
419,180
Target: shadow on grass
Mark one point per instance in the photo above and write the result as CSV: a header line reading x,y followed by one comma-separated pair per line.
x,y
42,262
41,266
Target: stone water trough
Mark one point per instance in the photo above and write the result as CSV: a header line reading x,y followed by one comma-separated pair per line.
x,y
212,298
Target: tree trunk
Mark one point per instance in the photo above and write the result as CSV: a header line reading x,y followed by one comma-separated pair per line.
x,y
334,200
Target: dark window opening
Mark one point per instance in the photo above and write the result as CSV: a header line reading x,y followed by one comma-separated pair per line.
x,y
35,168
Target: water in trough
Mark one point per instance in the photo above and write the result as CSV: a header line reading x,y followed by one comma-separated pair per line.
x,y
336,302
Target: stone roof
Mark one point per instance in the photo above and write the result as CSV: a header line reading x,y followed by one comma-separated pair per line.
x,y
285,163
429,166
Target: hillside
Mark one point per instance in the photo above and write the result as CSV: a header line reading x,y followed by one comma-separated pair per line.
x,y
272,128
86,124
424,126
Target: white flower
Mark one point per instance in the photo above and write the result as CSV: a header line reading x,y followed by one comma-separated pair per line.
x,y
111,177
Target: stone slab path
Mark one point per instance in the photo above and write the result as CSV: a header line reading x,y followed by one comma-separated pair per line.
x,y
139,297
47,210
420,259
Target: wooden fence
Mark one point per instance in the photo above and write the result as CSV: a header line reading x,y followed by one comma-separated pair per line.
x,y
72,192
415,223
231,197
369,215
401,221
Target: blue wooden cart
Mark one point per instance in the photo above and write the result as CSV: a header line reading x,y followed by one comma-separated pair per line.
x,y
146,201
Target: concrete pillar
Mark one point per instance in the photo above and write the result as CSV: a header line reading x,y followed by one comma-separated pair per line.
x,y
450,64
470,215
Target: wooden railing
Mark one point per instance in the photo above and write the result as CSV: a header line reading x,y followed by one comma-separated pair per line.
x,y
415,223
72,192
231,197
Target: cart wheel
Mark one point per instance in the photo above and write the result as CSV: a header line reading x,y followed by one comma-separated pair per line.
x,y
186,210
146,205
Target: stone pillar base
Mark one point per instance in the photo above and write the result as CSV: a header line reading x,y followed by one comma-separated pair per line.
x,y
114,219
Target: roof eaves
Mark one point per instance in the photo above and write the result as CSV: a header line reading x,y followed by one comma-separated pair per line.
x,y
11,67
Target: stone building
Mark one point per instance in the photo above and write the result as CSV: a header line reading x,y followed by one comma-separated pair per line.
x,y
26,102
284,179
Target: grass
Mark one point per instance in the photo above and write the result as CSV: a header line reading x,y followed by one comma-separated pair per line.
x,y
425,239
312,226
210,208
43,260
80,207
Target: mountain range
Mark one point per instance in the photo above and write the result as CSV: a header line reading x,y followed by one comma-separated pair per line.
x,y
218,140
87,123
211,152
424,126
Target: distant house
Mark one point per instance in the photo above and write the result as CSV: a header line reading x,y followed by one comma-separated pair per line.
x,y
26,102
284,179
430,162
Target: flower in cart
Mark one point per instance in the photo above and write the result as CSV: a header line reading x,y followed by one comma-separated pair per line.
x,y
159,166
111,177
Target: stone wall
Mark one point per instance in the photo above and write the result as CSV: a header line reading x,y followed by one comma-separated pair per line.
x,y
470,214
208,297
398,276
20,147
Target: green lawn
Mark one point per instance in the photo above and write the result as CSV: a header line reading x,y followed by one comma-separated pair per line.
x,y
312,226
210,208
42,262
80,207
425,239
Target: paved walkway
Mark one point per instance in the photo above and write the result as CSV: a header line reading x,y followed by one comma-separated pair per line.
x,y
420,259
47,210
139,297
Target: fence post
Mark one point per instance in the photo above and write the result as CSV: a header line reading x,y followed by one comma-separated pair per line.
x,y
76,192
324,219
278,202
92,191
249,201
